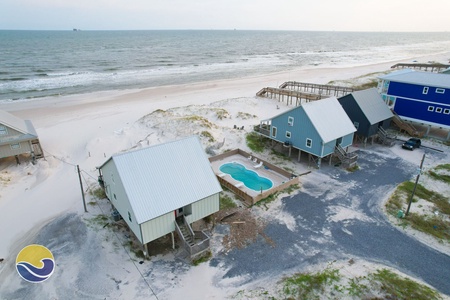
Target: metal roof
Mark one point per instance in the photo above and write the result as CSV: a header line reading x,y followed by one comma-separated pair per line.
x,y
421,78
11,121
329,119
165,177
372,105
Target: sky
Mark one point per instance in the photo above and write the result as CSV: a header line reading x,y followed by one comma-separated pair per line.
x,y
320,15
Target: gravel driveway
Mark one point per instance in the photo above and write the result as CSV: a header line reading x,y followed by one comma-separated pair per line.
x,y
338,216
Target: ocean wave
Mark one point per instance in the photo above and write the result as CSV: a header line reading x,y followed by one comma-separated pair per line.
x,y
184,57
13,79
33,274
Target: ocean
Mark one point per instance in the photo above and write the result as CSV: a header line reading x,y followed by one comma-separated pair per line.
x,y
36,64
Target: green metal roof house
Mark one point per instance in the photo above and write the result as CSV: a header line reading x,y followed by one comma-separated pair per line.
x,y
163,188
320,128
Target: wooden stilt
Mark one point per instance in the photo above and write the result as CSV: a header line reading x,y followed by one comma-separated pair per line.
x,y
146,255
173,240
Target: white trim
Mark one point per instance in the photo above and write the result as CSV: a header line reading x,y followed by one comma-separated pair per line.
x,y
272,130
447,111
290,121
15,146
440,91
288,133
430,108
438,110
425,90
310,142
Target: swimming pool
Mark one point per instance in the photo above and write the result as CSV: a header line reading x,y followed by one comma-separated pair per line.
x,y
249,178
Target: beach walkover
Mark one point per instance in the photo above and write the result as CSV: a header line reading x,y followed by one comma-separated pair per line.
x,y
299,91
423,67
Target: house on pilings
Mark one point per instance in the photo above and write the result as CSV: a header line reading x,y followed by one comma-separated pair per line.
x,y
321,128
163,189
369,114
418,97
18,137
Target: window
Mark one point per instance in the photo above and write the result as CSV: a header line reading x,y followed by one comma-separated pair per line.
x,y
447,111
438,110
3,130
112,178
291,121
15,146
425,90
440,91
356,124
115,196
288,134
274,132
309,143
129,217
430,108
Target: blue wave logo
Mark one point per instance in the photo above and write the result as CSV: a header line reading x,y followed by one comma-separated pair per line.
x,y
35,263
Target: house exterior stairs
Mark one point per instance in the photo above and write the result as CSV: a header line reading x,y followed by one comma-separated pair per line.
x,y
406,127
385,138
196,243
348,160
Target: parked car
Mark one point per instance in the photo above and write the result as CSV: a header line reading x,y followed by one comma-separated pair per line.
x,y
412,143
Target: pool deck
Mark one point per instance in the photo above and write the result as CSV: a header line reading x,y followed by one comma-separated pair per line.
x,y
276,178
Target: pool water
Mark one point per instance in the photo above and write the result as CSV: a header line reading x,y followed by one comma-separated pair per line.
x,y
249,178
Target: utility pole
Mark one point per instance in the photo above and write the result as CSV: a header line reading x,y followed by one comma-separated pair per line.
x,y
415,185
81,185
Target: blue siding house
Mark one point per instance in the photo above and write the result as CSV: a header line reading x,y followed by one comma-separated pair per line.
x,y
421,97
320,128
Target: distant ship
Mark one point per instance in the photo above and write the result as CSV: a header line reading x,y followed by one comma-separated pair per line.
x,y
75,29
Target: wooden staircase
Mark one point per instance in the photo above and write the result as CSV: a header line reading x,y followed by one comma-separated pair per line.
x,y
385,138
186,234
37,149
406,127
195,243
347,159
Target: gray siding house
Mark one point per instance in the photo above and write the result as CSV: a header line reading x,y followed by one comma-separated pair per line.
x,y
162,189
368,112
320,128
17,137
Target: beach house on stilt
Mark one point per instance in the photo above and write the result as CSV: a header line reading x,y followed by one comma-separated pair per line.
x,y
162,189
370,115
18,137
320,128
418,97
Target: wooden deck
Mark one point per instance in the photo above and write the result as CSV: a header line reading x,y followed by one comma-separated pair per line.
x,y
288,95
424,67
317,89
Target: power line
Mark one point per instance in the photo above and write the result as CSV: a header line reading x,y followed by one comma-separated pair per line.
x,y
131,259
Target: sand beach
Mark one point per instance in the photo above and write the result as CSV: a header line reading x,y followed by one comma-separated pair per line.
x,y
85,130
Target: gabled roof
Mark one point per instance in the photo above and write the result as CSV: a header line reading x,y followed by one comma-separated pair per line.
x,y
165,177
23,126
420,78
372,105
329,118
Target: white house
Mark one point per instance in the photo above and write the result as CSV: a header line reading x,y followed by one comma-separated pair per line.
x,y
162,189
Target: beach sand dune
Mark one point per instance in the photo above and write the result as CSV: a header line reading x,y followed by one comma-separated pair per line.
x,y
85,130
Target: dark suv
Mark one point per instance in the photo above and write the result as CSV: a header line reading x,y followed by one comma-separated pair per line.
x,y
411,144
